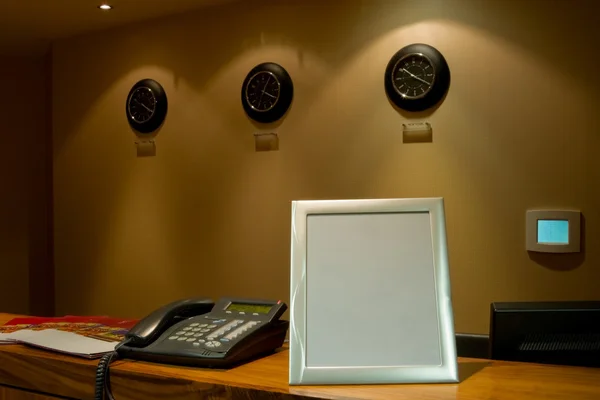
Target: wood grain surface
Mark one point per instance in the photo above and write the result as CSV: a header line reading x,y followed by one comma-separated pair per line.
x,y
267,378
7,393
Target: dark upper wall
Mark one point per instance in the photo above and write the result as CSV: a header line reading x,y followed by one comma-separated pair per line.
x,y
25,178
209,216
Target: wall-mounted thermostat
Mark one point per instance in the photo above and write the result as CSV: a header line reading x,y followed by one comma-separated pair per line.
x,y
553,231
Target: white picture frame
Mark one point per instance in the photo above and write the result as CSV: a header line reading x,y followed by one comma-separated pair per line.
x,y
370,298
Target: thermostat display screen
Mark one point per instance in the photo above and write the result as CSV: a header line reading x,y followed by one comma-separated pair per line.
x,y
552,231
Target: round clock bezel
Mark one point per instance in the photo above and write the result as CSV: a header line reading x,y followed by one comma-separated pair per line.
x,y
284,100
133,93
159,112
278,92
438,88
395,68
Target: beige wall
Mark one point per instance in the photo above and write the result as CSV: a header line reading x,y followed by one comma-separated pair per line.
x,y
24,201
209,216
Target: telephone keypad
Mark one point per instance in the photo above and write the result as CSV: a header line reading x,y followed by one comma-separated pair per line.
x,y
219,333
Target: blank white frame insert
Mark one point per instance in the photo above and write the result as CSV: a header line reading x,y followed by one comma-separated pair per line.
x,y
370,293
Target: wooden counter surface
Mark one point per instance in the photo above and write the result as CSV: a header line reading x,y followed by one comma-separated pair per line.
x,y
72,377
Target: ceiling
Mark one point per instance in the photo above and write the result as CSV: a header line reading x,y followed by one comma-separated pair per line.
x,y
27,27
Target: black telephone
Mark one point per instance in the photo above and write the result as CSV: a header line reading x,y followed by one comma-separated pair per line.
x,y
198,332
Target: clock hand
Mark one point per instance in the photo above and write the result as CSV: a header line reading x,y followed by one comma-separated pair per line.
x,y
263,91
416,77
146,107
270,95
143,105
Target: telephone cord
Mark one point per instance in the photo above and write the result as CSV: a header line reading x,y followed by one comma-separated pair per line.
x,y
102,374
102,377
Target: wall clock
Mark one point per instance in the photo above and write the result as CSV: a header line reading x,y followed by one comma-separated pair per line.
x,y
267,92
417,77
146,106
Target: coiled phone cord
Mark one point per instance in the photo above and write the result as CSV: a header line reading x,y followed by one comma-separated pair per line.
x,y
102,374
103,378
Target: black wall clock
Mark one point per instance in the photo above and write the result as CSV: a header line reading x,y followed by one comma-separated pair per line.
x,y
146,106
417,77
267,92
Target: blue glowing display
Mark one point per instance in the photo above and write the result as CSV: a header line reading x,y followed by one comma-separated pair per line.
x,y
552,231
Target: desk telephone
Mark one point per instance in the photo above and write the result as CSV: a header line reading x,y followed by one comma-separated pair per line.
x,y
198,332
201,333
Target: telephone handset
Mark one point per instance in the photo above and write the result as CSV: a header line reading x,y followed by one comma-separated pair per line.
x,y
197,333
146,330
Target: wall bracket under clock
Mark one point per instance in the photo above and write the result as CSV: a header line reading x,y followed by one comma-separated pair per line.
x,y
267,92
417,77
146,106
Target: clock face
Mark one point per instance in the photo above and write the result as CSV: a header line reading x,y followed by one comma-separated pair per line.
x,y
141,104
262,91
413,76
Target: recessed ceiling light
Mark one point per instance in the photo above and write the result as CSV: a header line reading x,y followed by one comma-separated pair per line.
x,y
105,7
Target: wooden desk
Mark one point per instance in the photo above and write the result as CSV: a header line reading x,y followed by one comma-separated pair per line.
x,y
30,374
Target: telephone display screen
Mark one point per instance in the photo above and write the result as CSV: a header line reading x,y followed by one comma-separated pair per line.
x,y
250,308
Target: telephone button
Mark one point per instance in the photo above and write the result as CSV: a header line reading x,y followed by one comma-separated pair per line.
x,y
182,338
180,333
196,344
190,340
189,334
173,337
213,344
201,340
198,334
224,340
187,328
212,326
242,313
194,324
202,325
